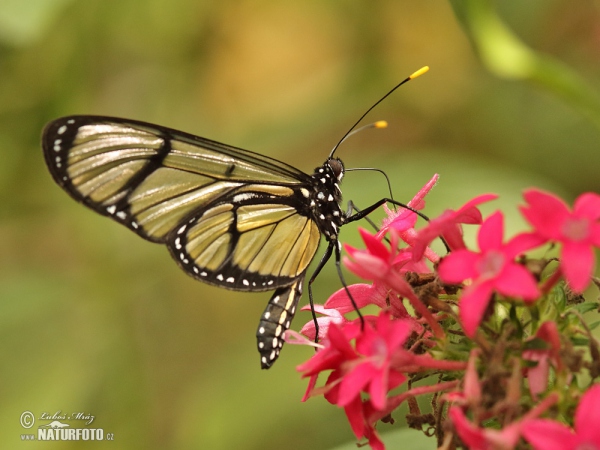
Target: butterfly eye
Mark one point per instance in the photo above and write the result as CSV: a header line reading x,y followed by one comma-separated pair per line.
x,y
337,168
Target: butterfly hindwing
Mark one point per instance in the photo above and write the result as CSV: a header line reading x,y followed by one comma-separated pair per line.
x,y
249,245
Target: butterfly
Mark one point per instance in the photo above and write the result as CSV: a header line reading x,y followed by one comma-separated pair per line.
x,y
229,217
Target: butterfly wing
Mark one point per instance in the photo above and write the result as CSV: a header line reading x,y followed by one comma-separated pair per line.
x,y
230,217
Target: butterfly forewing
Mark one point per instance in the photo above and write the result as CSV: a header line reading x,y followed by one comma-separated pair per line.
x,y
150,178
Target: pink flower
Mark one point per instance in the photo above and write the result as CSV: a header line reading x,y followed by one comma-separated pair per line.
x,y
404,220
379,264
363,294
362,421
493,269
366,368
447,225
578,231
477,438
330,316
551,435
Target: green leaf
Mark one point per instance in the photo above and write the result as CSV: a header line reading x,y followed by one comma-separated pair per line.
x,y
506,56
586,307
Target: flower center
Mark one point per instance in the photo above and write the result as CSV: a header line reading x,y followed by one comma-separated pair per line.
x,y
490,265
576,229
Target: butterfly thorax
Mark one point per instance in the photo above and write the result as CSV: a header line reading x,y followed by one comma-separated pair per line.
x,y
326,198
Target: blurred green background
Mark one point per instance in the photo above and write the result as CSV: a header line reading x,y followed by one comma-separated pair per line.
x,y
96,320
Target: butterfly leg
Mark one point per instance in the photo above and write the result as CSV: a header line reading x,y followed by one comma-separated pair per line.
x,y
360,214
276,320
365,212
324,259
334,246
338,266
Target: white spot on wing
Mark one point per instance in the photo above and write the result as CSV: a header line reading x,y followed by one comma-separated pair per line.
x,y
62,129
242,197
220,277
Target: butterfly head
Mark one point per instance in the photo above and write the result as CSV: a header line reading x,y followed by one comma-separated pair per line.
x,y
337,167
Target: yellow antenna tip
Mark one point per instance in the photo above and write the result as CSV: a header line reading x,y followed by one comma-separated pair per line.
x,y
419,72
380,124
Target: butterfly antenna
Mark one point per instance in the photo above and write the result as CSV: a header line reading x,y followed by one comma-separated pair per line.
x,y
375,170
351,131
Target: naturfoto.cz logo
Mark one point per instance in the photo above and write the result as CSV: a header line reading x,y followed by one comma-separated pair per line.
x,y
57,427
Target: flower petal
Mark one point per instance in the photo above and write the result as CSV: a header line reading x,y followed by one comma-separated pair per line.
x,y
577,263
374,246
354,382
546,212
468,213
470,434
354,413
546,434
458,266
588,205
362,293
523,242
491,231
473,304
587,416
516,281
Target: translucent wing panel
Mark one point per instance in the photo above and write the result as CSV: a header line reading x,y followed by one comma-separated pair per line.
x,y
260,246
218,165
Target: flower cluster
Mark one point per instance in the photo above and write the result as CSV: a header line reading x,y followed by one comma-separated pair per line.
x,y
499,333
